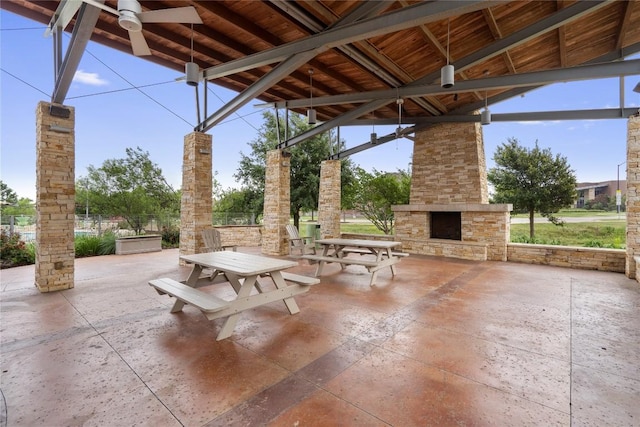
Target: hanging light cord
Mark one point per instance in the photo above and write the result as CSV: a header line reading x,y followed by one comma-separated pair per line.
x,y
191,42
311,87
448,30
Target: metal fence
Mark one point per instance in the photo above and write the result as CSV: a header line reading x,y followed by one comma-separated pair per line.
x,y
96,225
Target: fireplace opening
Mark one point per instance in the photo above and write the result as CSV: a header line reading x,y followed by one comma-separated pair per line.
x,y
446,225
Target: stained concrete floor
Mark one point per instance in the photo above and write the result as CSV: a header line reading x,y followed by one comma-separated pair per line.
x,y
444,342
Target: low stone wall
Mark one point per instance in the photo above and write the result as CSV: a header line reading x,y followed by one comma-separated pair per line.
x,y
568,256
138,244
241,235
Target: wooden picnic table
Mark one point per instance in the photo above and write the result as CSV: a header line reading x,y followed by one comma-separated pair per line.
x,y
337,250
242,271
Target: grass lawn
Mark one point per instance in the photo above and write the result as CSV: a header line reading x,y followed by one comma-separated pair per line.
x,y
601,234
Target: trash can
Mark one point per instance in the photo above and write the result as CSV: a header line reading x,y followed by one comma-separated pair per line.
x,y
313,230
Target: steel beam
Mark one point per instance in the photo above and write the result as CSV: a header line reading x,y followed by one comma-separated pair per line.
x,y
401,19
85,22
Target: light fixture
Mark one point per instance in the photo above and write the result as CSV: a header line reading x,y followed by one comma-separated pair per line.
x,y
399,101
447,72
191,69
485,116
374,135
311,113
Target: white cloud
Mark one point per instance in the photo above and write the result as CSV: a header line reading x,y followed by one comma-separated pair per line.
x,y
92,79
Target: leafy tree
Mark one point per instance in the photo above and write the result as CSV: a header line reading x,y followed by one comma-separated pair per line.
x,y
24,206
7,195
532,180
245,201
133,188
376,192
305,163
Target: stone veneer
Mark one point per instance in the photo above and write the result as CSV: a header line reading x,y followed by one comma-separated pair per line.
x,y
449,165
277,200
329,199
568,256
197,186
240,235
449,175
55,198
633,195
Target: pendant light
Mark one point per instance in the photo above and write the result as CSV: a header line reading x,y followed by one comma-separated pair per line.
x,y
399,101
485,116
374,135
191,69
447,72
311,113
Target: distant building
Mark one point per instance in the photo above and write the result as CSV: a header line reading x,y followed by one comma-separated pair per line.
x,y
588,191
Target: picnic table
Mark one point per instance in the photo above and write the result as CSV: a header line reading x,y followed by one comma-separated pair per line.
x,y
337,250
242,271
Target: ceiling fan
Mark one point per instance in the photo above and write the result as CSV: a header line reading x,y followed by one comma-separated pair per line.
x,y
130,17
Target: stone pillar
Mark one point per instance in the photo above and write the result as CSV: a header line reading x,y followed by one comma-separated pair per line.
x,y
633,195
329,199
277,203
197,187
55,197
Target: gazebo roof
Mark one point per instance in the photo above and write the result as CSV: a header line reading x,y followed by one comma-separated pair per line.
x,y
365,55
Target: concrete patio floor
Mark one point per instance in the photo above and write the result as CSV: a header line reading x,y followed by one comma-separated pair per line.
x,y
444,342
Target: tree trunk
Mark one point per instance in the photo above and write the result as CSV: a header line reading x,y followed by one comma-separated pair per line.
x,y
531,225
296,219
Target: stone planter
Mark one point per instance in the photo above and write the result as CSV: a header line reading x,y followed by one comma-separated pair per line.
x,y
138,244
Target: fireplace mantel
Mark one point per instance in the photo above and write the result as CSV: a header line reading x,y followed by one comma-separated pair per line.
x,y
454,207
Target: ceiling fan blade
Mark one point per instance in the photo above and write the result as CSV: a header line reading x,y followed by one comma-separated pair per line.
x,y
182,15
139,44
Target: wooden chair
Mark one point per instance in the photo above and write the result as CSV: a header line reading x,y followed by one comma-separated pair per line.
x,y
304,245
213,242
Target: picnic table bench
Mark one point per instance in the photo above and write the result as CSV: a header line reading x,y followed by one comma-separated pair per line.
x,y
242,271
336,251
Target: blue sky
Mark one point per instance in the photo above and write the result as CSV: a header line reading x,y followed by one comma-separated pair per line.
x,y
111,116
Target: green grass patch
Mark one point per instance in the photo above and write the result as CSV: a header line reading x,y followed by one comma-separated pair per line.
x,y
602,234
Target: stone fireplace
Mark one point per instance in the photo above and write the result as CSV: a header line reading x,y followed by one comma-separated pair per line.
x,y
448,213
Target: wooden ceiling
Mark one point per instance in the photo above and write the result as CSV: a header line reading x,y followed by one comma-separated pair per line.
x,y
357,47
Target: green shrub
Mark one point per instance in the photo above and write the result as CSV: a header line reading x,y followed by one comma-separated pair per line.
x,y
87,246
170,236
107,244
14,251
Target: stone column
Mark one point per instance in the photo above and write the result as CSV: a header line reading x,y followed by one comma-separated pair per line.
x,y
329,199
197,187
277,203
633,195
55,197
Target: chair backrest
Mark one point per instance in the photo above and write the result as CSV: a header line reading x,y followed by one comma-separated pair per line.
x,y
212,241
293,231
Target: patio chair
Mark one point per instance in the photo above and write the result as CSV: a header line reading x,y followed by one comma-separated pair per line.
x,y
213,242
303,245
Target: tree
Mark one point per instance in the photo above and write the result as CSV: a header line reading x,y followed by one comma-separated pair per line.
x,y
8,197
305,163
532,180
133,188
376,192
238,201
